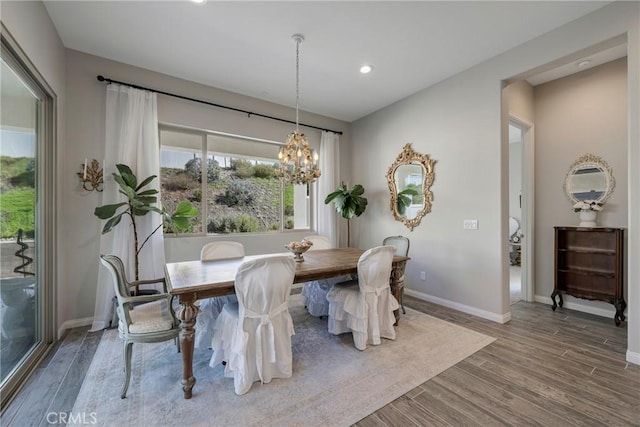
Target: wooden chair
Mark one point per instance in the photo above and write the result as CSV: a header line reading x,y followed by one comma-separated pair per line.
x,y
143,318
401,244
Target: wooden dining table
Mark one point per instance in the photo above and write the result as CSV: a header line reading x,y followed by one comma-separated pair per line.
x,y
191,281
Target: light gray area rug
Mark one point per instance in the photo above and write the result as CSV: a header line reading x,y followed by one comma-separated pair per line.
x,y
333,384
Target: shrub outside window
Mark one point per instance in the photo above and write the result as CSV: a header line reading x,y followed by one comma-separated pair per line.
x,y
236,189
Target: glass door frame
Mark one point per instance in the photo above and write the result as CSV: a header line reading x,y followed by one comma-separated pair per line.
x,y
45,214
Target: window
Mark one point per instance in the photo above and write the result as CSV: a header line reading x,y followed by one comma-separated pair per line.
x,y
27,217
235,189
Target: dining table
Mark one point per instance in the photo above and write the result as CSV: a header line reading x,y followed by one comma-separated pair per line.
x,y
191,281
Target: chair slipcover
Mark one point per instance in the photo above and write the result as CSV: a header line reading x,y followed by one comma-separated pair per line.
x,y
253,336
142,319
210,308
365,306
401,244
314,293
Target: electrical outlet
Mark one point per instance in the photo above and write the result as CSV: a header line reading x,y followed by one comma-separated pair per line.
x,y
423,275
470,224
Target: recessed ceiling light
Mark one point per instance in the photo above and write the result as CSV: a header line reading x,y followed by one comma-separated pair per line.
x,y
199,1
365,69
584,63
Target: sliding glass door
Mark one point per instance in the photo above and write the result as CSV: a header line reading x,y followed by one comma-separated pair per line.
x,y
26,275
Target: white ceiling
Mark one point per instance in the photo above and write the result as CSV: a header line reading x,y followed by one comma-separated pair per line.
x,y
246,47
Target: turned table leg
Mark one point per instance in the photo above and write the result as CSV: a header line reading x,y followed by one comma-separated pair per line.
x,y
396,282
187,314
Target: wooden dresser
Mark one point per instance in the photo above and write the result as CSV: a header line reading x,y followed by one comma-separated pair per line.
x,y
588,264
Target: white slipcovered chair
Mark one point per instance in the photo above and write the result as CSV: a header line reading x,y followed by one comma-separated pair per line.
x,y
210,308
365,306
401,244
253,336
314,293
143,318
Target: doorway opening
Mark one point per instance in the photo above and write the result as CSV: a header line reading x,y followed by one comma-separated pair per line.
x,y
516,231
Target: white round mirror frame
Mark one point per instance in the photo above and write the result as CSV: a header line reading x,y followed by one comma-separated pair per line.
x,y
594,162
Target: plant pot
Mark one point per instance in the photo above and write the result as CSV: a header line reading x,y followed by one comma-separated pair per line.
x,y
588,218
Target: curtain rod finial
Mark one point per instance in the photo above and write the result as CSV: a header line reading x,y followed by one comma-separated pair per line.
x,y
100,78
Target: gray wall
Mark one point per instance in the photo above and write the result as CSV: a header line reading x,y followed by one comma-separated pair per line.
x,y
85,138
582,113
460,122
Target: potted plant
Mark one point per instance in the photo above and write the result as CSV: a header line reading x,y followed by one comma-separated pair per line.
x,y
405,199
139,202
348,203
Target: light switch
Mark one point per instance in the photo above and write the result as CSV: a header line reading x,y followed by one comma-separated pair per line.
x,y
470,224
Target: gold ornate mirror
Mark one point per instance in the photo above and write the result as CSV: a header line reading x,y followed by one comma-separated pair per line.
x,y
410,178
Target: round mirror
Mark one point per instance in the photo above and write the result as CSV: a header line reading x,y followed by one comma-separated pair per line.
x,y
589,178
409,179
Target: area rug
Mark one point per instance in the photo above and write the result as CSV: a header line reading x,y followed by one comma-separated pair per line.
x,y
333,384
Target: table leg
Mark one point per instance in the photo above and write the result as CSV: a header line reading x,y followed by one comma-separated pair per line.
x,y
396,282
187,314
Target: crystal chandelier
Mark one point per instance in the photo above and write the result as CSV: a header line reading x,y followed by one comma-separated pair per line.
x,y
298,162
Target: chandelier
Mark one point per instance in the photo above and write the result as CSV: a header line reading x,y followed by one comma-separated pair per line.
x,y
298,162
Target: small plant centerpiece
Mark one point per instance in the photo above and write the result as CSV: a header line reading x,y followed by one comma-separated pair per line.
x,y
298,248
140,202
348,203
588,212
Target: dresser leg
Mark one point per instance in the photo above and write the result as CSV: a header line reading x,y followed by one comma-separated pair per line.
x,y
619,317
553,298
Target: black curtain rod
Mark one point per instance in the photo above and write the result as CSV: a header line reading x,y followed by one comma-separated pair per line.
x,y
248,113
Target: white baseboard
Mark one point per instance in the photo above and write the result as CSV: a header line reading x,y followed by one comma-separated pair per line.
x,y
598,311
499,318
633,357
73,323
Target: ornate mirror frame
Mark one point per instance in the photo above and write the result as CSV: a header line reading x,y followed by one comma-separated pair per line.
x,y
409,157
586,163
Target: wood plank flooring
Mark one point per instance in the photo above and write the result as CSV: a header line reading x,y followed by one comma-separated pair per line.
x,y
562,368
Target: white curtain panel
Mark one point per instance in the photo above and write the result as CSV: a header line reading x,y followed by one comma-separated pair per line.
x,y
131,138
328,181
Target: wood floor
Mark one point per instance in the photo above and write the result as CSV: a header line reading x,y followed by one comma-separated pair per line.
x,y
547,368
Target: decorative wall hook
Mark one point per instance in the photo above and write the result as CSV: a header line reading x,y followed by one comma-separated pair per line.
x,y
91,175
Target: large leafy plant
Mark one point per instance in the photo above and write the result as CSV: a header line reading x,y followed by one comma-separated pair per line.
x,y
405,199
348,203
140,202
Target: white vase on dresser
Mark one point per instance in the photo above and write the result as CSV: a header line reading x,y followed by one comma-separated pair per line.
x,y
588,218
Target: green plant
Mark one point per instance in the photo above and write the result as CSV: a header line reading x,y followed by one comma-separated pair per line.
x,y
263,171
348,203
17,211
179,181
140,202
238,193
405,198
242,168
193,168
233,224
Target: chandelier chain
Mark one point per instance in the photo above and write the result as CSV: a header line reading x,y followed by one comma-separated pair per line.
x,y
297,81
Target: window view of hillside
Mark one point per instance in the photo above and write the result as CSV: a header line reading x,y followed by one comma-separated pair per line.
x,y
17,196
242,193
